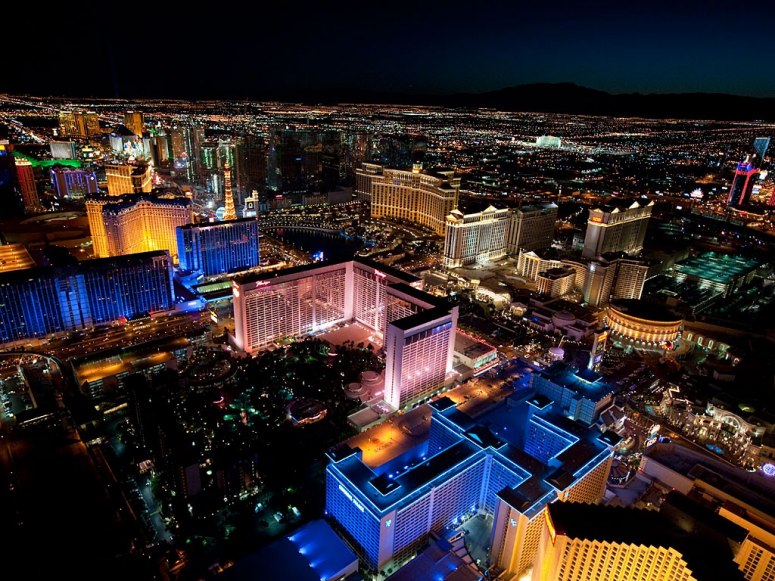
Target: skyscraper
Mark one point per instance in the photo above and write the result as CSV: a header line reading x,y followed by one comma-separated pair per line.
x,y
531,227
135,122
364,176
25,174
124,178
228,196
136,223
616,229
218,248
251,151
475,238
426,199
742,184
39,301
760,146
80,124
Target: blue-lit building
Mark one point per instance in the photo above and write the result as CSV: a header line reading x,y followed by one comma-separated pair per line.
x,y
313,552
218,247
579,394
39,301
507,463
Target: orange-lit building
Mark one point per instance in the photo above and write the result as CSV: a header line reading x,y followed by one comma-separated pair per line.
x,y
682,542
137,223
639,322
124,178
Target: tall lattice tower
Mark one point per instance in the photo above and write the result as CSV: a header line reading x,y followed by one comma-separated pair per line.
x,y
231,213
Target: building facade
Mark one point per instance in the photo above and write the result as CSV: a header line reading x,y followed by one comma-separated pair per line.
x,y
25,174
742,184
413,196
137,223
475,238
417,328
581,542
531,228
509,463
614,229
556,282
81,124
643,323
73,183
135,122
40,301
124,178
218,248
365,176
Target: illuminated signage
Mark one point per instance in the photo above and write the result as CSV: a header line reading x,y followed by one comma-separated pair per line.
x,y
236,292
379,274
261,283
550,526
349,496
768,469
596,219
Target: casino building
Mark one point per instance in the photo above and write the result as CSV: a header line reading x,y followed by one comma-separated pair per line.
x,y
418,329
137,223
35,302
644,324
509,462
218,247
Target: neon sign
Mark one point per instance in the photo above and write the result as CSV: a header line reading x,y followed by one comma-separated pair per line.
x,y
350,497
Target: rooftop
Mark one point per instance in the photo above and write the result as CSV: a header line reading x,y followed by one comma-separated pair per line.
x,y
14,257
502,431
313,552
585,382
390,271
707,558
717,267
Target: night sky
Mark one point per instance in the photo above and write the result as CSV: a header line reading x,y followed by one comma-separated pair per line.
x,y
288,49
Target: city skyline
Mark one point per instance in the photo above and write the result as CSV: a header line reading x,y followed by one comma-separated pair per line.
x,y
248,340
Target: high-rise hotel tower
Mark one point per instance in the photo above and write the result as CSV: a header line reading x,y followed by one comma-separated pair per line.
x,y
137,223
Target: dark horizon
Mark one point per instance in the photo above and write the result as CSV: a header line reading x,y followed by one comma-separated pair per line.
x,y
405,48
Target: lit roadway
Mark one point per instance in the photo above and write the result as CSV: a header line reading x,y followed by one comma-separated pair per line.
x,y
121,337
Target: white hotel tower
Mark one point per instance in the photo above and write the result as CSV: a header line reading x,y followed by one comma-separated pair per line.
x,y
418,329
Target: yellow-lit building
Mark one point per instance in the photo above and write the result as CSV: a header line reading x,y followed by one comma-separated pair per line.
x,y
556,282
681,542
124,178
641,322
82,124
137,223
517,532
14,257
134,121
425,199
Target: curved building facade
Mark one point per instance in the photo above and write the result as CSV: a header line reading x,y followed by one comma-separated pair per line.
x,y
643,322
417,197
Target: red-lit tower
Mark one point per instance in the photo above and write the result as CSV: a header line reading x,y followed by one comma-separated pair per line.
x,y
742,184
